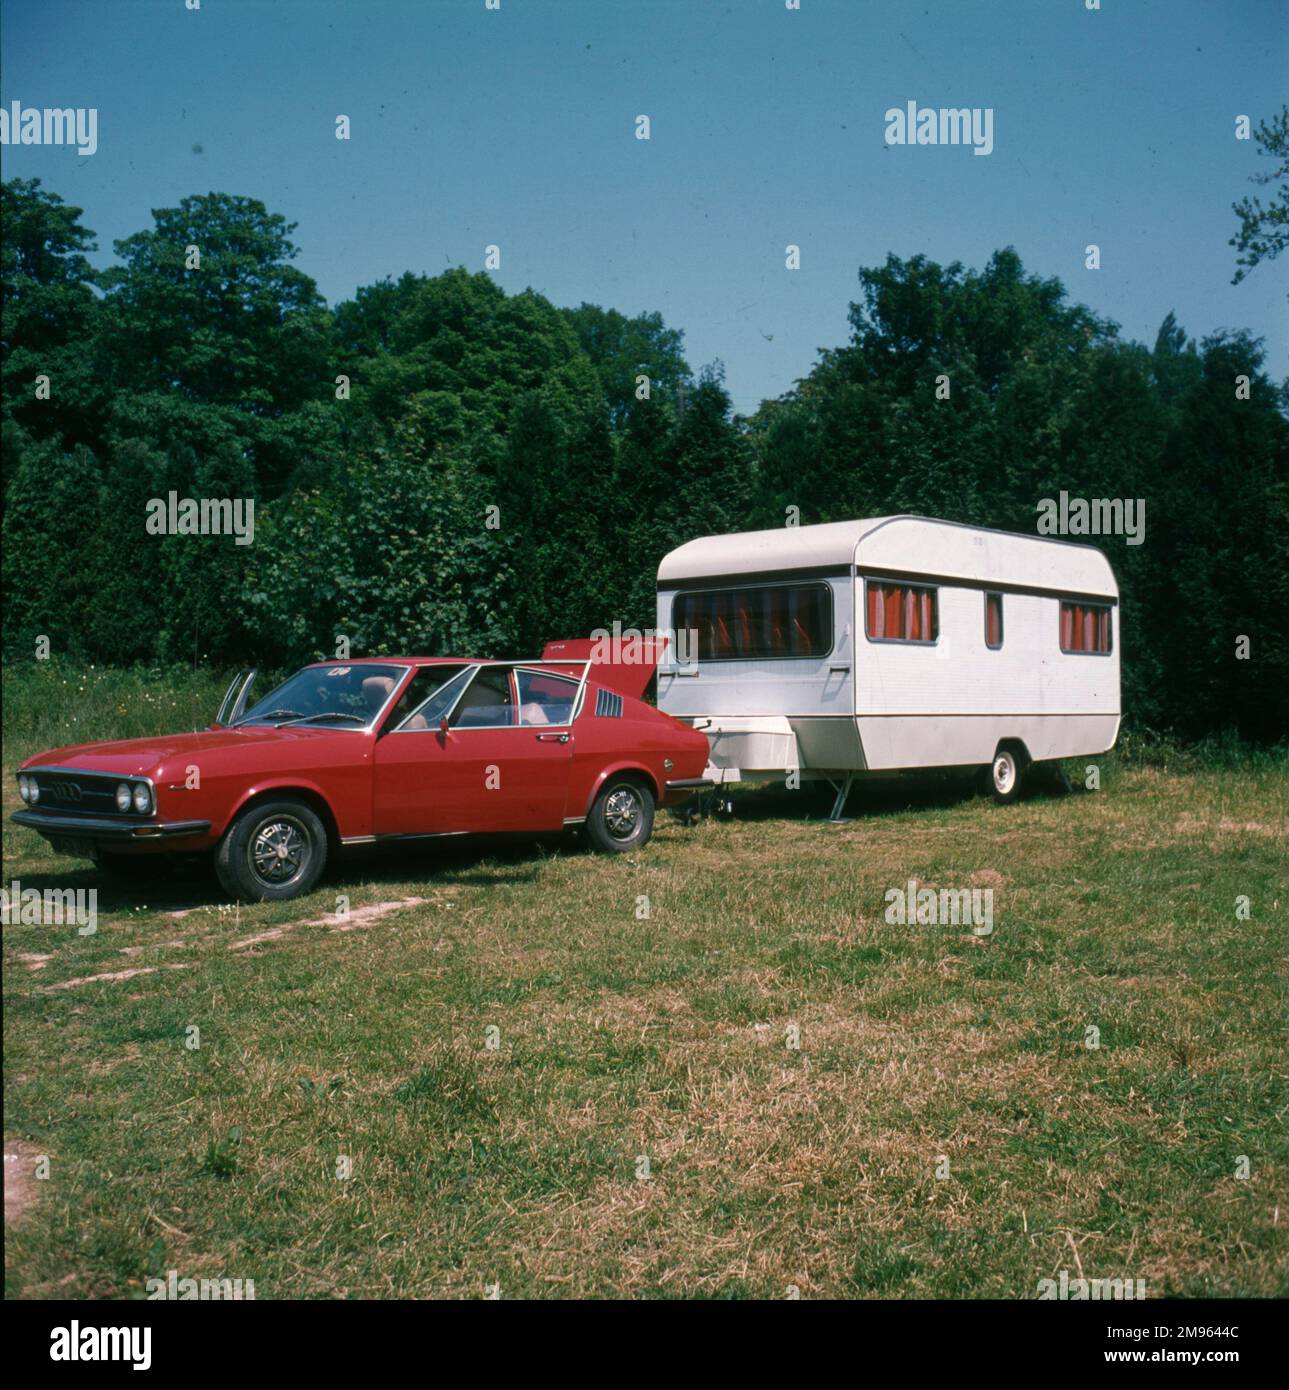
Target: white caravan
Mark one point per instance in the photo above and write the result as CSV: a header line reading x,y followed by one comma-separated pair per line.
x,y
896,642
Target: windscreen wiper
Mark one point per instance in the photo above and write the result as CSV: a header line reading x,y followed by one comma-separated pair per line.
x,y
270,714
327,714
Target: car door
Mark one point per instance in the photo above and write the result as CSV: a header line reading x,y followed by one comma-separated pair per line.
x,y
501,764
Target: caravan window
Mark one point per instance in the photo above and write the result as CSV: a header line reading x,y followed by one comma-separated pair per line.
x,y
771,621
993,621
901,612
1085,628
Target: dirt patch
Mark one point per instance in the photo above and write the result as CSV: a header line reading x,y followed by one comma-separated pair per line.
x,y
1195,825
19,1179
355,918
111,975
271,935
33,960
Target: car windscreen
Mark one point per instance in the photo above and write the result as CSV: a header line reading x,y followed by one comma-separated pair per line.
x,y
346,696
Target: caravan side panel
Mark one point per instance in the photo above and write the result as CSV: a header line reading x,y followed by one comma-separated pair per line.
x,y
953,701
768,715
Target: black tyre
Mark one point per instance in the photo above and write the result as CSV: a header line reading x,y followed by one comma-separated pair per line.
x,y
1005,774
622,817
274,851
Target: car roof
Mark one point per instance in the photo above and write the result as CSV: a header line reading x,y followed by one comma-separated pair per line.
x,y
401,661
537,661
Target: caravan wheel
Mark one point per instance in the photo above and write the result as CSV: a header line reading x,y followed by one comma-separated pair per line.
x,y
1004,775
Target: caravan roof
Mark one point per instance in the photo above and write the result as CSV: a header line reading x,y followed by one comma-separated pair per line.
x,y
946,550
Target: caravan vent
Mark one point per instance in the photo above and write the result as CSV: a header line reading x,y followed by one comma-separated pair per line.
x,y
608,705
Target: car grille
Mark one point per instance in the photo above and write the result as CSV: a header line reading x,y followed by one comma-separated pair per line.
x,y
80,793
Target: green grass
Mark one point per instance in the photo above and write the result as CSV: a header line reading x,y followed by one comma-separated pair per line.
x,y
666,1039
58,702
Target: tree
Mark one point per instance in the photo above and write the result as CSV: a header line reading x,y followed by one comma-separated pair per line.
x,y
1042,396
209,330
1264,231
622,350
460,338
48,315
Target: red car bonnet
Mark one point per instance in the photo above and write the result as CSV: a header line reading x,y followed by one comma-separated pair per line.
x,y
622,664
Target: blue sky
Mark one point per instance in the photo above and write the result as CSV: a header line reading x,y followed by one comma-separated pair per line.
x,y
516,127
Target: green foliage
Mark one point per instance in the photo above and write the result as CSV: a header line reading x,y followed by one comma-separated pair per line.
x,y
1264,230
63,701
1044,397
221,1154
49,313
393,554
494,476
623,350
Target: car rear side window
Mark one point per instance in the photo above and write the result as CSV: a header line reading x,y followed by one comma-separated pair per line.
x,y
544,698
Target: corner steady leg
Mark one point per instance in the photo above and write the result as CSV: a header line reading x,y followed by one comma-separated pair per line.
x,y
839,804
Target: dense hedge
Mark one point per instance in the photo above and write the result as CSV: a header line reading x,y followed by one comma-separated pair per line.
x,y
438,466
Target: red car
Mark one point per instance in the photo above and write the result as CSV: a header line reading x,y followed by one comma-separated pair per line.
x,y
352,752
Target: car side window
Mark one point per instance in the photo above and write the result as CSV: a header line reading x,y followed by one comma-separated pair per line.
x,y
544,698
488,702
431,692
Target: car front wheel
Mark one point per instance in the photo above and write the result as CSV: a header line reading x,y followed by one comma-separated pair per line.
x,y
274,851
622,817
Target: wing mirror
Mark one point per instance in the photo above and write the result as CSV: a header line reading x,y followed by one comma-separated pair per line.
x,y
443,727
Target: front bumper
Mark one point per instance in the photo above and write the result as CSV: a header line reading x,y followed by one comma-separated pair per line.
x,y
56,826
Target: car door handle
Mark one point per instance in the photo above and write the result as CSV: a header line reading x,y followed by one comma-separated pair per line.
x,y
552,738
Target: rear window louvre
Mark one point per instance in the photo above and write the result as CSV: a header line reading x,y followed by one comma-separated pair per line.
x,y
608,705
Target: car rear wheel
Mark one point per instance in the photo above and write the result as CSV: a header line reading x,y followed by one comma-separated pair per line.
x,y
274,851
1005,775
622,817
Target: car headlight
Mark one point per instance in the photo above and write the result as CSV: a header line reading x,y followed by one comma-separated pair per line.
x,y
123,795
33,791
24,788
142,798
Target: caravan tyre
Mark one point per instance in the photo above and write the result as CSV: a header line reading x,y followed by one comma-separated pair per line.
x,y
1005,775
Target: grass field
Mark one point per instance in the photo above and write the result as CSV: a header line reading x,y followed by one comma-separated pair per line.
x,y
942,1129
